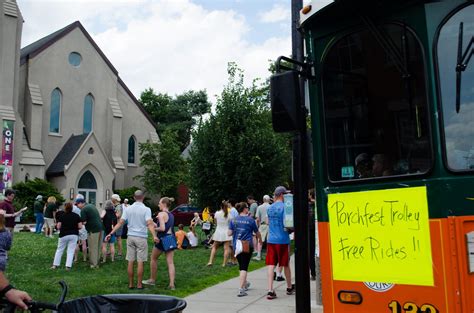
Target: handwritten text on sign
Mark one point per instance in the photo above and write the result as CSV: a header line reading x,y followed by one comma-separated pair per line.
x,y
381,236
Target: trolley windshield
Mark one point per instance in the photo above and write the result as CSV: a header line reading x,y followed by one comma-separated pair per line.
x,y
376,116
455,41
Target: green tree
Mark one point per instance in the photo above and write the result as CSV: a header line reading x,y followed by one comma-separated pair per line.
x,y
127,193
179,114
26,193
163,167
235,152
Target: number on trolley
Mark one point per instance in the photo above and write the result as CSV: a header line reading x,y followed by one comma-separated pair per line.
x,y
410,307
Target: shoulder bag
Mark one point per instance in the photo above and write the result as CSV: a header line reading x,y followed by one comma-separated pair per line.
x,y
168,242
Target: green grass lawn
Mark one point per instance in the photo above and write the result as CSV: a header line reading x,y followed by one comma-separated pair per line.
x,y
31,257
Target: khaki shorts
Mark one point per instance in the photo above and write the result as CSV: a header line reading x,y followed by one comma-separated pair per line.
x,y
137,249
263,230
49,222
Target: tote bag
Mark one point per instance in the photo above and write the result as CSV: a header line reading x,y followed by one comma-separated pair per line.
x,y
242,246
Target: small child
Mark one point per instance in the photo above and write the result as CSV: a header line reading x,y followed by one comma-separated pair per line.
x,y
82,245
180,235
5,243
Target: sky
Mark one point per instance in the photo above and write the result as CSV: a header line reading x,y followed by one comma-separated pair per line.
x,y
173,45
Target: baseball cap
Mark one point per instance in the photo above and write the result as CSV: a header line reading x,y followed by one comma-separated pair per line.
x,y
39,197
280,190
80,200
116,197
78,197
266,198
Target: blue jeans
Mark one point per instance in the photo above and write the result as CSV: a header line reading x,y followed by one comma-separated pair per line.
x,y
39,222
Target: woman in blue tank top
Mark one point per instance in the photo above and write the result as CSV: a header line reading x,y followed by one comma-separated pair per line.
x,y
165,226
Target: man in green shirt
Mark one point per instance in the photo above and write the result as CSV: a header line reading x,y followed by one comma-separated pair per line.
x,y
38,212
91,218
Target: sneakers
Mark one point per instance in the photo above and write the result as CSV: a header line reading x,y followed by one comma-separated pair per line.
x,y
280,278
242,293
271,295
148,282
247,286
290,291
257,258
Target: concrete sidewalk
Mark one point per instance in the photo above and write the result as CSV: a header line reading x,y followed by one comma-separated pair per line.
x,y
223,297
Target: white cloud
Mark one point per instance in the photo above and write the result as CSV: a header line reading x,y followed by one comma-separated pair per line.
x,y
278,13
169,45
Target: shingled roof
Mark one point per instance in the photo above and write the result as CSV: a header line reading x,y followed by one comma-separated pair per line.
x,y
66,154
38,46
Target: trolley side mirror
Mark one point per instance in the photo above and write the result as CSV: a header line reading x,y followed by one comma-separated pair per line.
x,y
285,101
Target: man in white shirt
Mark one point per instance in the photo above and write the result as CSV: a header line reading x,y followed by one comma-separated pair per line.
x,y
138,218
262,223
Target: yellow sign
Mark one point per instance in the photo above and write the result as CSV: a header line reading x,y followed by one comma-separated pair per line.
x,y
381,236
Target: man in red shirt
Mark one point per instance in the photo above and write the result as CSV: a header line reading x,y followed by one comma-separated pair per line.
x,y
7,209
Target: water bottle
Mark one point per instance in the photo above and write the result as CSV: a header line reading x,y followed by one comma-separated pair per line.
x,y
288,202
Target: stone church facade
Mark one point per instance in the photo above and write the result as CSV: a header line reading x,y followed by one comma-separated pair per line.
x,y
71,118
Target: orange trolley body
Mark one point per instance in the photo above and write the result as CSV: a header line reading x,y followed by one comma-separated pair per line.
x,y
392,109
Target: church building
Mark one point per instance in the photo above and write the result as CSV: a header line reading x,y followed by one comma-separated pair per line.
x,y
67,116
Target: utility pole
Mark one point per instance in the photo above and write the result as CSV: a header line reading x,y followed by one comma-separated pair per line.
x,y
300,170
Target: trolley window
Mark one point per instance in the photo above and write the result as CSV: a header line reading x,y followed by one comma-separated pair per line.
x,y
456,46
375,106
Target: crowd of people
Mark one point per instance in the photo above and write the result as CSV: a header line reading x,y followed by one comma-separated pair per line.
x,y
81,224
241,228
